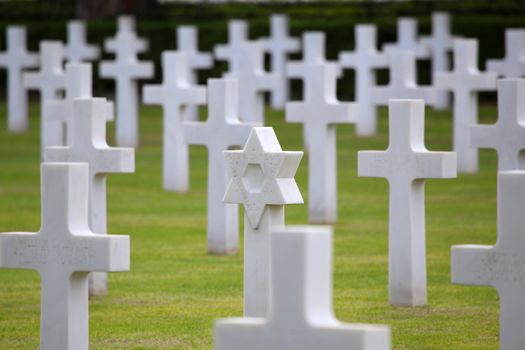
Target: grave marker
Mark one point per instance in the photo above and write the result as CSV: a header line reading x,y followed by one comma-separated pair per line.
x,y
406,164
77,48
408,39
64,251
300,315
89,146
15,59
513,64
174,95
237,36
464,81
262,179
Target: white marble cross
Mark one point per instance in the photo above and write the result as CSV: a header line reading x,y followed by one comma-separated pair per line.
x,y
406,164
440,44
64,251
254,81
364,60
237,36
187,42
300,315
89,146
465,81
77,49
174,95
262,179
513,65
279,45
126,69
78,85
50,81
403,82
507,136
14,60
501,266
407,39
319,112
220,132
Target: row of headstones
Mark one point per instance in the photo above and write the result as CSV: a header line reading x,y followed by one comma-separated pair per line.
x,y
278,311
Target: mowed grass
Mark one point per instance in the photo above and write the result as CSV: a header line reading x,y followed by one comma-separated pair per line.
x,y
175,290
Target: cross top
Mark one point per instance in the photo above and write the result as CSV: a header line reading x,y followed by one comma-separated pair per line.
x,y
77,49
513,65
365,54
262,174
441,37
280,41
16,54
407,38
50,79
237,35
187,42
507,136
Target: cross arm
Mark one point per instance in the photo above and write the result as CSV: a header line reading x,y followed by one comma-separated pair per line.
x,y
31,80
20,250
194,133
55,110
106,253
153,94
201,60
194,95
107,69
341,112
481,135
372,164
474,265
143,69
436,165
116,159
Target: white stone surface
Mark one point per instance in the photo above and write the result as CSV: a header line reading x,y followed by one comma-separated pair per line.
x,y
222,131
253,80
78,85
320,112
403,82
126,70
501,266
63,252
408,39
364,60
15,60
440,43
174,95
262,179
406,164
279,45
77,49
300,315
513,64
51,82
507,136
89,146
188,42
464,81
237,36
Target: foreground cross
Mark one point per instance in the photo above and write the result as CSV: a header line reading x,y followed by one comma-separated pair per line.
x,y
237,36
126,69
464,82
279,45
501,266
262,179
64,251
364,60
77,48
89,146
15,59
440,44
175,94
50,81
78,85
407,39
507,136
187,42
319,112
513,65
406,164
300,315
220,132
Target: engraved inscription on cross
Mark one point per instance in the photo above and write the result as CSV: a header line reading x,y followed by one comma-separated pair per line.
x,y
507,136
406,164
319,112
15,59
220,132
501,266
64,251
300,315
513,65
262,179
364,60
237,36
464,82
174,95
77,48
89,146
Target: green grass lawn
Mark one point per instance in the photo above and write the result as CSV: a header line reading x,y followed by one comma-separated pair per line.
x,y
175,290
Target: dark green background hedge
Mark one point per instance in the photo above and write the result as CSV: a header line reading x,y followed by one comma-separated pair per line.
x,y
485,20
